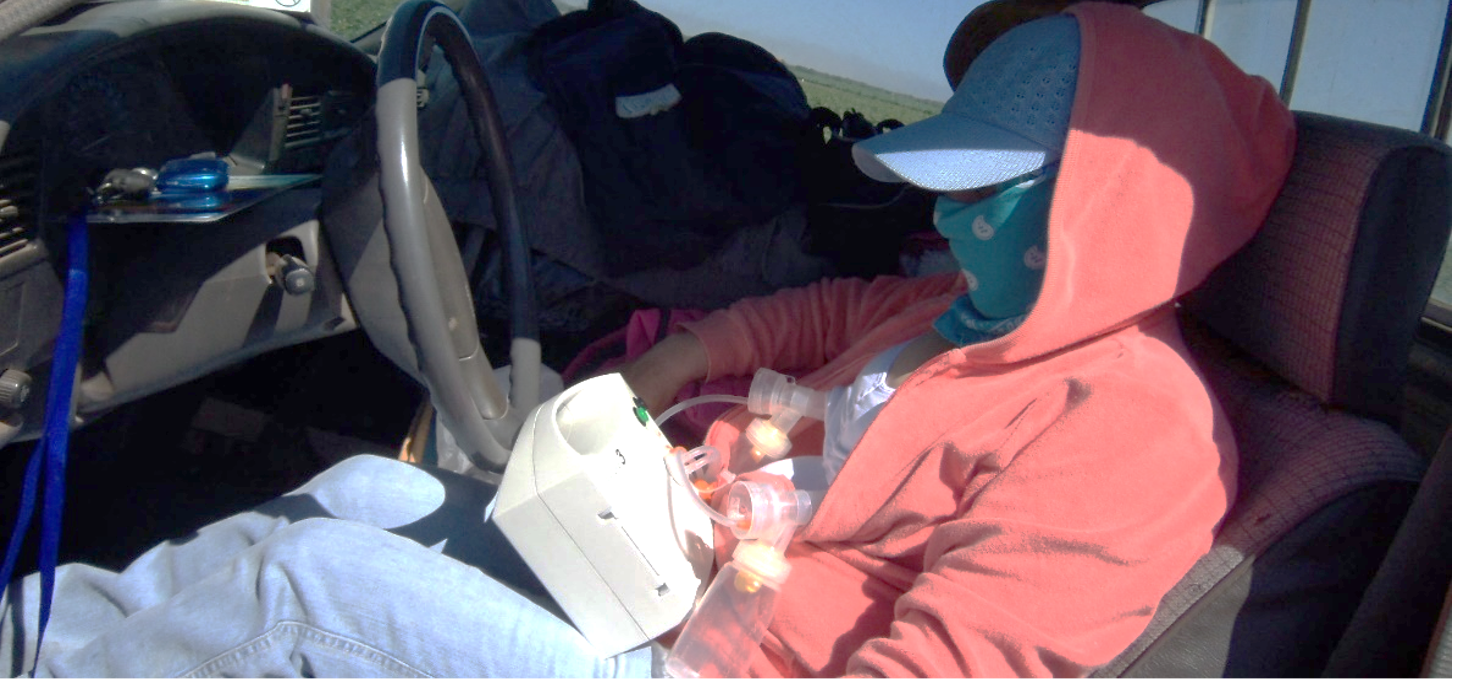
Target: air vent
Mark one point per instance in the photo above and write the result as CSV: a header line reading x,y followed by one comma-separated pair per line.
x,y
18,172
305,122
305,125
313,119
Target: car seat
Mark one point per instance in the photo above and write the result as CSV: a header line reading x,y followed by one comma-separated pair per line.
x,y
1304,336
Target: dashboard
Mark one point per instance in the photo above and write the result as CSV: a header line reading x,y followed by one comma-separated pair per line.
x,y
122,85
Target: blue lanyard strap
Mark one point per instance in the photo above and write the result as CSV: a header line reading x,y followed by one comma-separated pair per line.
x,y
51,447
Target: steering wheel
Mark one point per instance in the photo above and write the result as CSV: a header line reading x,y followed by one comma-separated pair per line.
x,y
433,286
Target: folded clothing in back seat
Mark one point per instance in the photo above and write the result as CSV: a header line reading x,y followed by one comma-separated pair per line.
x,y
681,143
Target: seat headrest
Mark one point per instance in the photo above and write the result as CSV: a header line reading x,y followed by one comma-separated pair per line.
x,y
1329,293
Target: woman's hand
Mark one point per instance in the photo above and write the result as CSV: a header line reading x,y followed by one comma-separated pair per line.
x,y
658,374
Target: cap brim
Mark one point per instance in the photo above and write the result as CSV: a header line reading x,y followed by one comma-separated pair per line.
x,y
948,153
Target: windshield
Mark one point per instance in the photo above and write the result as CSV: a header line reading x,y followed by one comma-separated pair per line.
x,y
354,18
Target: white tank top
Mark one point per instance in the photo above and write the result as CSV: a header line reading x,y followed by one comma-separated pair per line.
x,y
849,409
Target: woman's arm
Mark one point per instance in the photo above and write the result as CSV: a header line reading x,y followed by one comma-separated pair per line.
x,y
793,329
657,375
803,328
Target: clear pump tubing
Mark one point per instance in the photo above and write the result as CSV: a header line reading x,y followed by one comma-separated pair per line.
x,y
784,515
680,475
672,411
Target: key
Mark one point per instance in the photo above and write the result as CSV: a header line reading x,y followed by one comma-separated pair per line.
x,y
123,182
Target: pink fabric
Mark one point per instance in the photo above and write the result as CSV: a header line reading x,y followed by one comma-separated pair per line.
x,y
1019,506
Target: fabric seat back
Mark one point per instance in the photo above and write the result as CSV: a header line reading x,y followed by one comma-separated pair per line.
x,y
1304,337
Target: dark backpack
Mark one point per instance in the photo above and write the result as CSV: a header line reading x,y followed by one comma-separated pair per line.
x,y
680,142
858,223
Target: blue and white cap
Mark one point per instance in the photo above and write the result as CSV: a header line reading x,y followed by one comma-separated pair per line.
x,y
1008,117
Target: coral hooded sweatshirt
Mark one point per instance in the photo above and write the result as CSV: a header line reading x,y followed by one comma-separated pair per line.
x,y
1020,506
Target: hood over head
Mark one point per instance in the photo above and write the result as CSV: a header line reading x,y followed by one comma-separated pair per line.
x,y
1172,159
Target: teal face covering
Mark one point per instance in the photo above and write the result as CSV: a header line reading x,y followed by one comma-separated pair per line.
x,y
1001,244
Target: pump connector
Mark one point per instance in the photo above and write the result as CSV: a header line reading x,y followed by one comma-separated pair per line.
x,y
769,438
777,397
703,469
766,512
773,392
761,566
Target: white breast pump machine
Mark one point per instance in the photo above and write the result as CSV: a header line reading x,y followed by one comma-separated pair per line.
x,y
613,520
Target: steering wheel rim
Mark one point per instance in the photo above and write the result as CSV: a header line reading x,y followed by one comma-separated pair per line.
x,y
434,290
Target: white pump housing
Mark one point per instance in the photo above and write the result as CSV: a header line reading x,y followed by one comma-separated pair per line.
x,y
588,503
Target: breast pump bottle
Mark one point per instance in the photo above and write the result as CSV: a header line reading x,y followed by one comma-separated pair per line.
x,y
730,620
733,615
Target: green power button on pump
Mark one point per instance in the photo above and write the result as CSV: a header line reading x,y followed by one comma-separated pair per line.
x,y
640,410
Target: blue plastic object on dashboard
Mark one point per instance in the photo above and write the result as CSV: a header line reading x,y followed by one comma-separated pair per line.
x,y
192,176
189,201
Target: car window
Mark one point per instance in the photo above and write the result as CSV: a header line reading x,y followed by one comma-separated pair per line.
x,y
1371,60
354,18
873,57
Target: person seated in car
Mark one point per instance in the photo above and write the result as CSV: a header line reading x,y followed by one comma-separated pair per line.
x,y
1028,462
